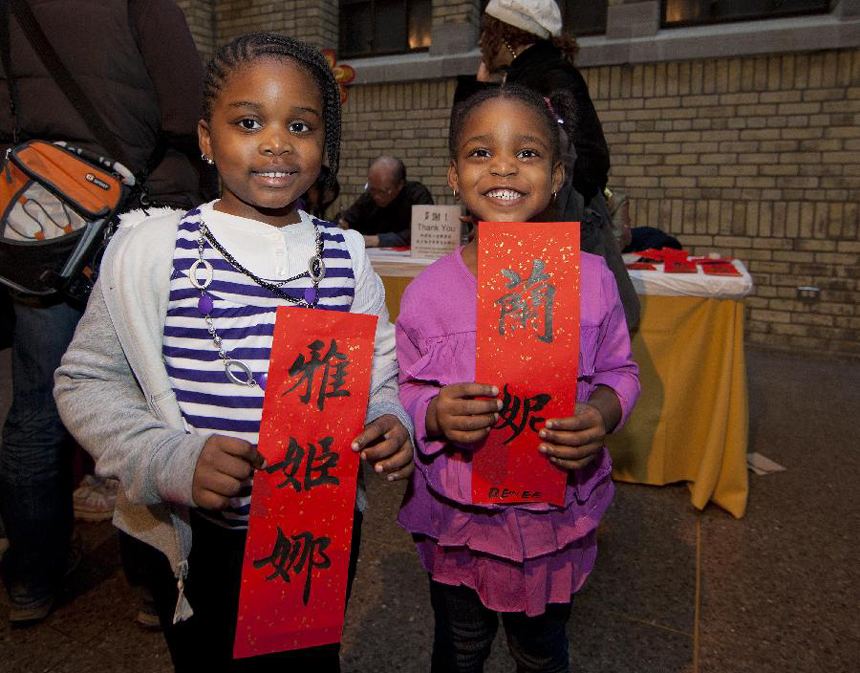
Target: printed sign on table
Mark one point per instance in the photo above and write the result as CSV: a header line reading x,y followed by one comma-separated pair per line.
x,y
528,346
294,572
435,231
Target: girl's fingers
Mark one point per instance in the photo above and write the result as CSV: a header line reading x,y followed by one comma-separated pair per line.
x,y
210,500
467,423
212,487
572,464
469,437
460,390
476,407
560,454
395,461
232,466
371,433
571,438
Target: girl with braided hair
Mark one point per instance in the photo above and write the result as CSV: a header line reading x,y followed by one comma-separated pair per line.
x,y
176,355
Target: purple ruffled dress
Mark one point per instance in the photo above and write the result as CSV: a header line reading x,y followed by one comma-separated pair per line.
x,y
517,557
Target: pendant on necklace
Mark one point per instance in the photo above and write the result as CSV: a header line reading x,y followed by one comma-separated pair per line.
x,y
205,304
310,296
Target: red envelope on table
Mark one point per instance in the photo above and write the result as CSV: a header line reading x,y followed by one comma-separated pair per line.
x,y
720,269
528,346
294,572
679,266
671,254
641,266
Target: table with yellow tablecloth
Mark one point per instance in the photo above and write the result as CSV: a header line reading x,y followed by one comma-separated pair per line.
x,y
691,421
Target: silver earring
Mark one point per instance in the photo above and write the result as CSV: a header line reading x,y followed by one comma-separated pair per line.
x,y
207,159
456,195
553,196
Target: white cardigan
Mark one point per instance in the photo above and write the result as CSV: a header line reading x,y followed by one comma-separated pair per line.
x,y
115,397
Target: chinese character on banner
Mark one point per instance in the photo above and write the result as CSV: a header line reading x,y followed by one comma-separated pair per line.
x,y
527,346
343,74
294,572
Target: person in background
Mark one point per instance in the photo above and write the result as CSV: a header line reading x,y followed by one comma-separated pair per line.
x,y
523,42
137,63
384,212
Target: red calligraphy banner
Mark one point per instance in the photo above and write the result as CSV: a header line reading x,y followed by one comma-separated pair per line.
x,y
294,573
528,346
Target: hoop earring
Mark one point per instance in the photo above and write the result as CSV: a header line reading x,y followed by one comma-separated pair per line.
x,y
208,160
553,196
456,195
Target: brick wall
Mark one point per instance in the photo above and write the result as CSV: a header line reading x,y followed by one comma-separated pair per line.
x,y
758,158
200,15
409,121
456,11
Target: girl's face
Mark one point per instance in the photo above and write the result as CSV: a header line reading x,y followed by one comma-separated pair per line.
x,y
266,137
504,168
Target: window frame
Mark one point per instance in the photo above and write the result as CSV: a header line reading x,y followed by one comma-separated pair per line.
x,y
711,21
371,54
563,7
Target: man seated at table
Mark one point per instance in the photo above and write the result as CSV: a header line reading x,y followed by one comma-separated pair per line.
x,y
384,212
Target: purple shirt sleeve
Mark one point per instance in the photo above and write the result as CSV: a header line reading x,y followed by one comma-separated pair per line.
x,y
614,366
415,395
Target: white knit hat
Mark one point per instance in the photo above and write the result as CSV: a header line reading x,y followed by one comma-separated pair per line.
x,y
538,17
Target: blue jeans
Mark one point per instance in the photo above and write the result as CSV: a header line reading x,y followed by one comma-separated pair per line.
x,y
465,630
36,457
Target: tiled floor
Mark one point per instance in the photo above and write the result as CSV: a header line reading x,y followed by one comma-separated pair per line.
x,y
674,590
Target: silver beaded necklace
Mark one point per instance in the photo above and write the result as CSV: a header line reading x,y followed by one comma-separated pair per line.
x,y
238,371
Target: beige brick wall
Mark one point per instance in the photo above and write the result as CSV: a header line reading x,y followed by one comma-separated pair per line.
x,y
456,11
201,21
409,121
754,157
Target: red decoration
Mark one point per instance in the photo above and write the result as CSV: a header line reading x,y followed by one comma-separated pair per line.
x,y
344,74
294,572
720,269
527,345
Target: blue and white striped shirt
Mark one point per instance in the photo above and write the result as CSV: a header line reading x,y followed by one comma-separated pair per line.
x,y
243,316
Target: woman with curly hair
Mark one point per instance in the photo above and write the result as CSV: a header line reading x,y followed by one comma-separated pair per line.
x,y
522,41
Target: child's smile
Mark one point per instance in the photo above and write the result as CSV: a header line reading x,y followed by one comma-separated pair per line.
x,y
266,138
504,168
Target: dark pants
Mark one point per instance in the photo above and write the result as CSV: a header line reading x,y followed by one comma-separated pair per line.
x,y
205,641
36,457
465,630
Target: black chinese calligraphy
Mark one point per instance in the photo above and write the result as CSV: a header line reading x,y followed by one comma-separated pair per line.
x,y
295,554
332,373
531,305
318,463
517,413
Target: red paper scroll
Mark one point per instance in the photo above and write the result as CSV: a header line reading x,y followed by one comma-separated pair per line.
x,y
527,345
297,553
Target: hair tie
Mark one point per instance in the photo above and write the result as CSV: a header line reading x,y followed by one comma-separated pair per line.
x,y
552,109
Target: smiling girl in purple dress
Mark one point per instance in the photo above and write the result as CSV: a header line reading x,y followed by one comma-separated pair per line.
x,y
523,561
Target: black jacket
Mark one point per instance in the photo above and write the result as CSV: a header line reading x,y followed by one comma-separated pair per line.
x,y
137,63
542,67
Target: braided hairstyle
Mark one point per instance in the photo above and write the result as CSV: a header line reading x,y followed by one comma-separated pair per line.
x,y
553,112
253,46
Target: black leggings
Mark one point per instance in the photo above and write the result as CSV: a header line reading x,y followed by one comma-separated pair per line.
x,y
465,630
212,588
